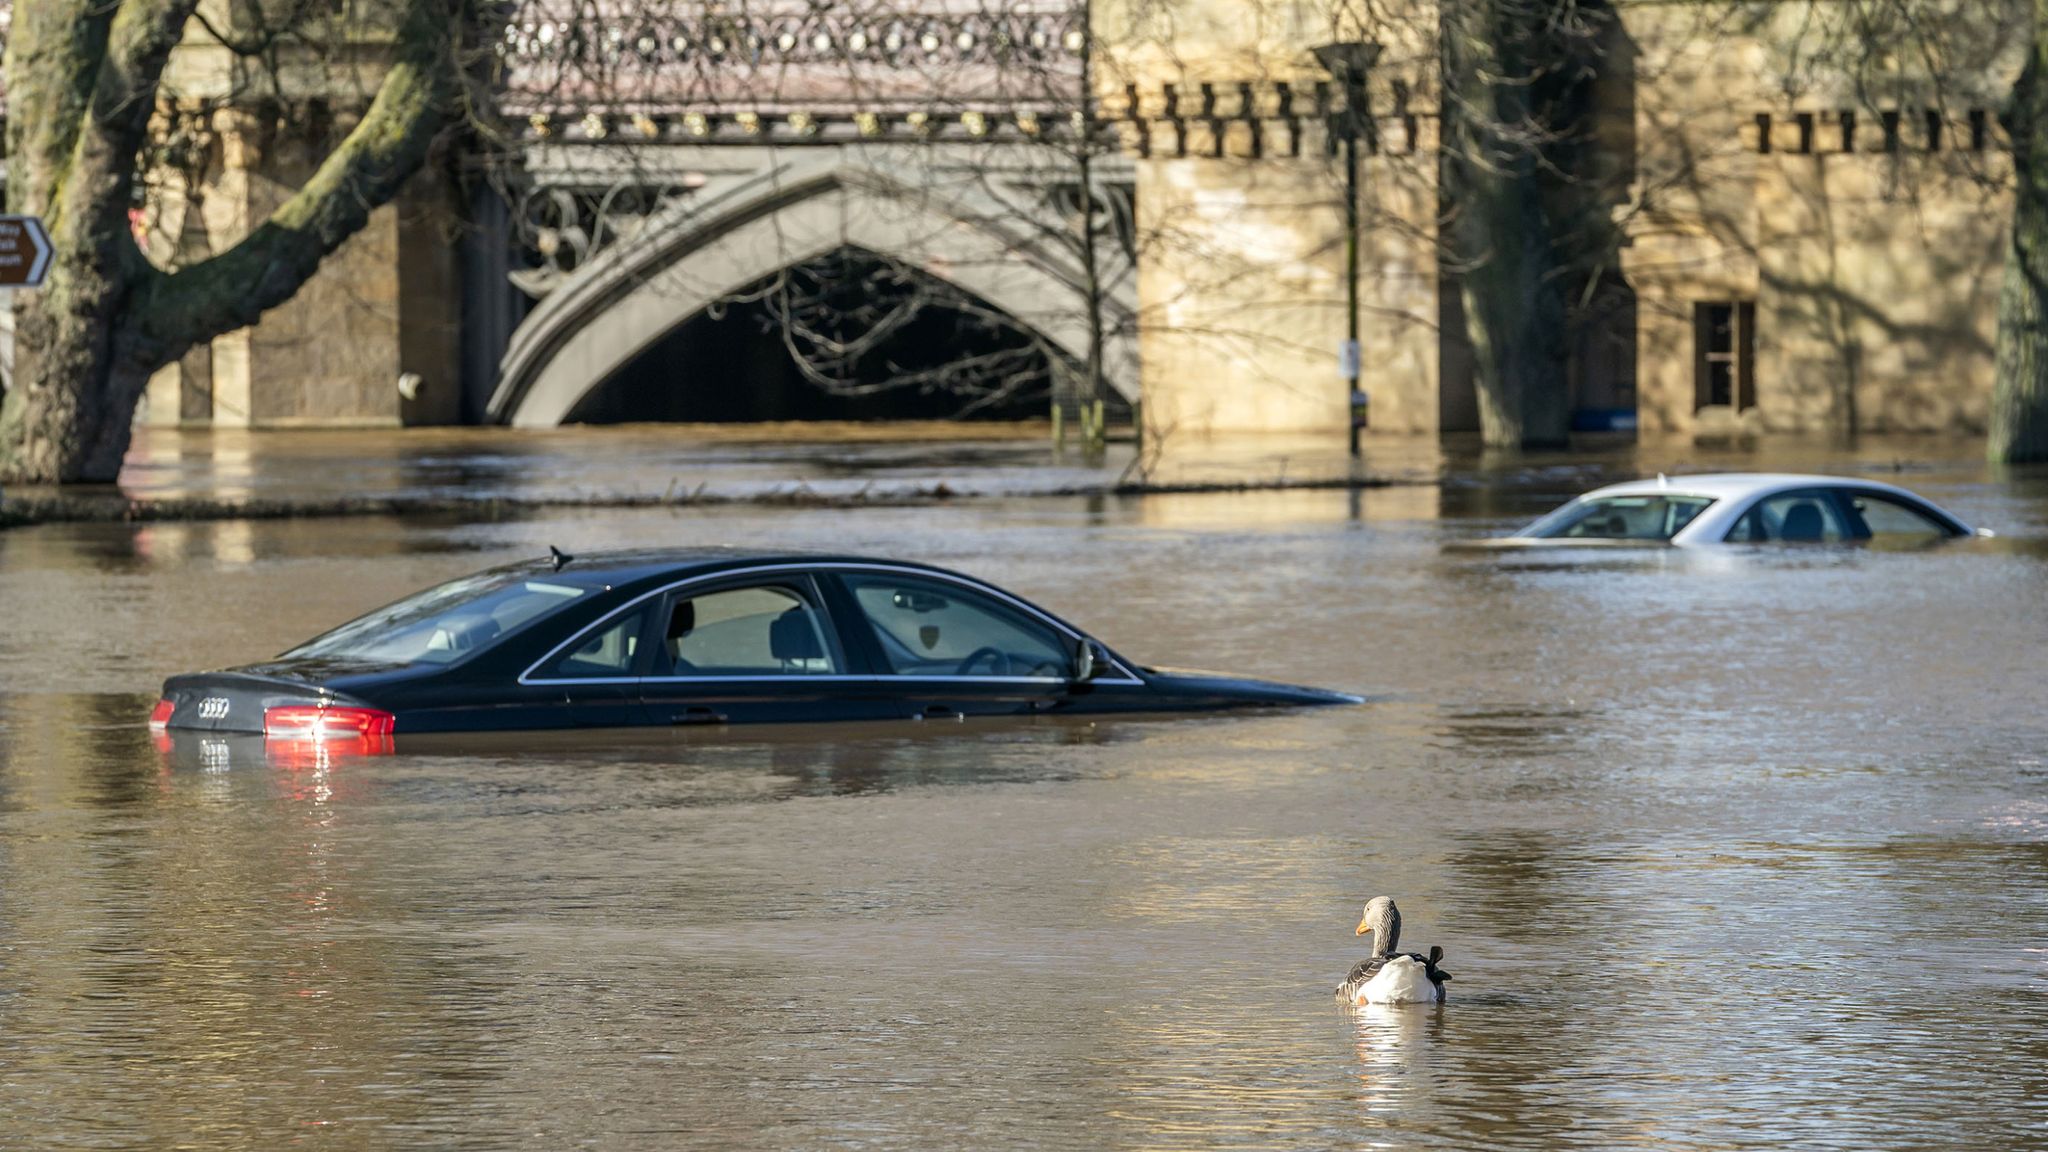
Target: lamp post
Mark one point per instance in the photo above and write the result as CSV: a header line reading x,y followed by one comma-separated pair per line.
x,y
1349,62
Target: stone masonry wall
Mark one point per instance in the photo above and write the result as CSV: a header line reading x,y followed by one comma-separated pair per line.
x,y
1856,198
385,303
1849,186
1241,205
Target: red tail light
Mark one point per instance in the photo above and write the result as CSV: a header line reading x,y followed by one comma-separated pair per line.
x,y
160,716
325,722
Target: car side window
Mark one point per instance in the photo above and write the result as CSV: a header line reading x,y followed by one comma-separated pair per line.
x,y
1647,517
766,630
1805,515
1880,514
610,652
936,628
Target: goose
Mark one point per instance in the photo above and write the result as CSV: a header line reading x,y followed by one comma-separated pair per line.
x,y
1387,976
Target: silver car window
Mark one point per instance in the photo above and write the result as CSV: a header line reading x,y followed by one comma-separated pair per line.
x,y
1884,515
1657,516
1801,516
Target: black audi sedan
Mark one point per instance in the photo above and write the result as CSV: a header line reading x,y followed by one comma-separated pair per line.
x,y
699,636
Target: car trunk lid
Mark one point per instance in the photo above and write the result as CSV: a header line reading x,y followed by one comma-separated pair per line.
x,y
235,701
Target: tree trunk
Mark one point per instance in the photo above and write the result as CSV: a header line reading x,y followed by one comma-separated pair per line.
x,y
2019,396
1514,315
83,77
85,86
1499,232
68,417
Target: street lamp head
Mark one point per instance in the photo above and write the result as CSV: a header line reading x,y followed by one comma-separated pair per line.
x,y
1348,60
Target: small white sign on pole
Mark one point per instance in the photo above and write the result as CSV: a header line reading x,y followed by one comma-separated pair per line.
x,y
1348,359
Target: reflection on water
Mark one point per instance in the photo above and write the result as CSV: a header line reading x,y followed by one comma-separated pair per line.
x,y
1399,1050
1727,849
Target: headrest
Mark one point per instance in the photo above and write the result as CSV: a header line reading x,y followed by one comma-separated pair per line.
x,y
1802,522
462,633
791,637
682,619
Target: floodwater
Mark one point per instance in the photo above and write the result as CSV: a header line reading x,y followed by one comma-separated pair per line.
x,y
1726,849
742,461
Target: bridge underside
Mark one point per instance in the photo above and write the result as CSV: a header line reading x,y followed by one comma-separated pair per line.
x,y
825,282
852,336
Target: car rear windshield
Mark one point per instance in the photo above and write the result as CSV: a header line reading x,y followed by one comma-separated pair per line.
x,y
1656,517
445,623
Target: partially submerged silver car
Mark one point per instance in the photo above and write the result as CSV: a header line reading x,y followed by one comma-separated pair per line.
x,y
1743,508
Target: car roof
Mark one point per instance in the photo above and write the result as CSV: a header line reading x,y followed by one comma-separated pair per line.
x,y
1729,485
601,568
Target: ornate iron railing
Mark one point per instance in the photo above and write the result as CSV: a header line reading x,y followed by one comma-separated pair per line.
x,y
563,57
566,58
655,37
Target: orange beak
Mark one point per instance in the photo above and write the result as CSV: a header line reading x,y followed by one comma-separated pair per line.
x,y
1362,929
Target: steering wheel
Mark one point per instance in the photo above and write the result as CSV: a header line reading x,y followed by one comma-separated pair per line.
x,y
998,661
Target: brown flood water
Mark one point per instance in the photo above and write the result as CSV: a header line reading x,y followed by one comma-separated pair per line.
x,y
1727,849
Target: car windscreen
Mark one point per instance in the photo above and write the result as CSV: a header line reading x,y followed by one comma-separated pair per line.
x,y
445,623
1649,517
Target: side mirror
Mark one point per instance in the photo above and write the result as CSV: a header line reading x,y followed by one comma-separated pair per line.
x,y
1088,662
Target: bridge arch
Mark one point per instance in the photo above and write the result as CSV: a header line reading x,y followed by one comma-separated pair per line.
x,y
689,256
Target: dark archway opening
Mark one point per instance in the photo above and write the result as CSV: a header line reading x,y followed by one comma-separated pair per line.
x,y
849,336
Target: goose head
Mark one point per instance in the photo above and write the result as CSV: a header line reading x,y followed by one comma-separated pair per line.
x,y
1383,920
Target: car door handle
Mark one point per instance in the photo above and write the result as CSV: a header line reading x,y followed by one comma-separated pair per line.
x,y
939,712
697,716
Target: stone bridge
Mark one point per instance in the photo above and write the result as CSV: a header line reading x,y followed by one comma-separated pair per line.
x,y
631,241
670,166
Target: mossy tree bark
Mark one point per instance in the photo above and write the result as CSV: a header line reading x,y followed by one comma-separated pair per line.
x,y
2019,397
1517,84
82,85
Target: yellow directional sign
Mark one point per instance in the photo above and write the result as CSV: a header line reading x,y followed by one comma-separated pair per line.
x,y
24,252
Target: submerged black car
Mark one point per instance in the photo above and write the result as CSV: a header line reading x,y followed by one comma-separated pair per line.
x,y
691,637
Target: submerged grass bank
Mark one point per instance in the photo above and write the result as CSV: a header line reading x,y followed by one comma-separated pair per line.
x,y
100,507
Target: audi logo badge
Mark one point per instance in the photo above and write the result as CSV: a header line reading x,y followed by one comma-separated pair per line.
x,y
213,708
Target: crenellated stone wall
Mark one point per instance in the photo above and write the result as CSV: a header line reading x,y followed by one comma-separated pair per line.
x,y
1845,188
1240,194
1854,195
